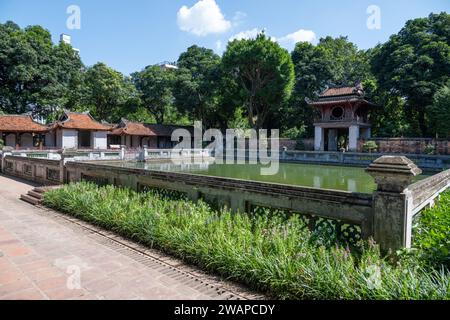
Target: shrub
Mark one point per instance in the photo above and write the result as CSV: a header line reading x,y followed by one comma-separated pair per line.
x,y
432,233
2,144
370,146
430,149
272,253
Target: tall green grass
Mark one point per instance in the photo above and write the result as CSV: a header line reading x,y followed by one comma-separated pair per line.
x,y
432,233
276,255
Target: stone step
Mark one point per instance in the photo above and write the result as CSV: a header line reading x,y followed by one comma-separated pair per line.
x,y
40,190
32,200
35,194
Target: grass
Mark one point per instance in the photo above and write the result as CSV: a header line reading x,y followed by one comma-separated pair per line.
x,y
432,233
273,254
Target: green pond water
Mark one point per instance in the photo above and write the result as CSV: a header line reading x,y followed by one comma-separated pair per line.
x,y
307,175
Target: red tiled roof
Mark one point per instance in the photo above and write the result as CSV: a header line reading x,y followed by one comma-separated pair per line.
x,y
20,123
342,91
146,129
80,121
133,129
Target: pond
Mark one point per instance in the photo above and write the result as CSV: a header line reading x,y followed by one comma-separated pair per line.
x,y
307,175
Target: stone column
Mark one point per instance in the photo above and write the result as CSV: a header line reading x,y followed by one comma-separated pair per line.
x,y
318,139
353,135
392,218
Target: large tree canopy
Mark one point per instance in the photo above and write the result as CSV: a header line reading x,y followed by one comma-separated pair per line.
x,y
108,94
196,90
264,74
415,63
35,74
155,86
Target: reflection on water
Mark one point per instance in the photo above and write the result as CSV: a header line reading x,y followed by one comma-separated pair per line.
x,y
308,175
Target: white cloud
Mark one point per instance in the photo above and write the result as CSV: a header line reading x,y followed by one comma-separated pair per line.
x,y
247,34
298,36
203,18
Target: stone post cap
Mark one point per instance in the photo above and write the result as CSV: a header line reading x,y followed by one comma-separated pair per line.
x,y
393,173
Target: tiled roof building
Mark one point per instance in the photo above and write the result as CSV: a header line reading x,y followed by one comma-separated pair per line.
x,y
342,118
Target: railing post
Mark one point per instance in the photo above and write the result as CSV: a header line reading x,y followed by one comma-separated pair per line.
x,y
392,218
122,153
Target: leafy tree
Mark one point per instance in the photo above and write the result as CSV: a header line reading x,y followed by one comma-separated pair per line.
x,y
264,74
108,94
196,89
155,87
415,63
439,112
35,74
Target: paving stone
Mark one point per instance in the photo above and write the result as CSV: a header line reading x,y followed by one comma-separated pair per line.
x,y
43,254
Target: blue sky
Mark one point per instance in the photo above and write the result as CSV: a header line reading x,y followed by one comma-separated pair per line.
x,y
129,35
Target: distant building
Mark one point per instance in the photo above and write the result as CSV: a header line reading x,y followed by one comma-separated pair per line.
x,y
77,131
342,118
65,38
168,66
22,132
137,135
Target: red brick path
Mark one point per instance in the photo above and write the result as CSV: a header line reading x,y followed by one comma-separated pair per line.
x,y
45,256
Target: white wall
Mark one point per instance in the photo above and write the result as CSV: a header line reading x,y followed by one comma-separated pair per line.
x,y
100,140
69,139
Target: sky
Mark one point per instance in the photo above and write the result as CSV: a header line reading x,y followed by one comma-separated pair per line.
x,y
130,35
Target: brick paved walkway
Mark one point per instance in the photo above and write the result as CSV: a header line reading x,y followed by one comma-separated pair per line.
x,y
43,255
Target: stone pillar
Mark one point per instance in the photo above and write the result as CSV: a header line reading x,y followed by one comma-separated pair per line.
x,y
318,139
332,140
353,134
392,218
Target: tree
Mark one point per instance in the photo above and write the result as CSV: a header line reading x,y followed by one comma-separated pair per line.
x,y
439,112
108,94
196,89
264,74
415,63
155,87
35,74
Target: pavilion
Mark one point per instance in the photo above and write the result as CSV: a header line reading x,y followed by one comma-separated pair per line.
x,y
342,117
22,132
78,131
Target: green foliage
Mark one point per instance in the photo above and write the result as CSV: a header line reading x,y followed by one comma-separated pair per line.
x,y
197,86
35,74
415,63
275,254
431,233
263,74
2,144
108,94
155,87
439,112
294,133
370,146
430,149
